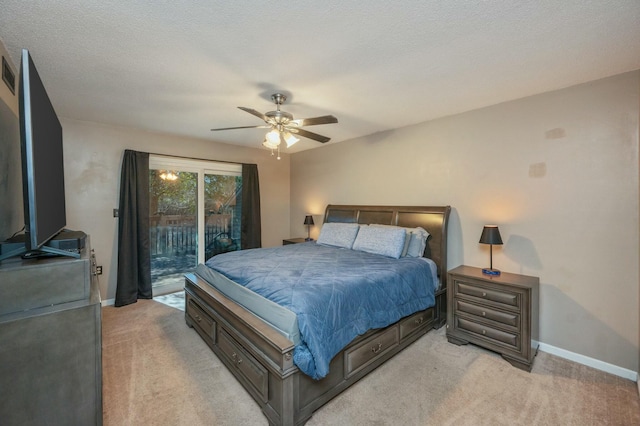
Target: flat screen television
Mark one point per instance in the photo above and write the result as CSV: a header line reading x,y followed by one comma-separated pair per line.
x,y
42,165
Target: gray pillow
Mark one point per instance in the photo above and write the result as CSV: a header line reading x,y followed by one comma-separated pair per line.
x,y
381,240
418,242
415,242
338,234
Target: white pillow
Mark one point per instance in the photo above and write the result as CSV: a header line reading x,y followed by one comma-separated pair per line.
x,y
380,240
338,234
415,242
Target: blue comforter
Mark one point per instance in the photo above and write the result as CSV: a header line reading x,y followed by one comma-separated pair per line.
x,y
337,294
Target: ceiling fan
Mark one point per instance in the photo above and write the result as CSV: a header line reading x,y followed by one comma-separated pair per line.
x,y
283,126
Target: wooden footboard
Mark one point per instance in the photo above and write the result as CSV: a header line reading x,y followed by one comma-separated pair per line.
x,y
262,359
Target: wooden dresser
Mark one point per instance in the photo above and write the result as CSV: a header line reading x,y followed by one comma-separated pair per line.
x,y
499,313
50,342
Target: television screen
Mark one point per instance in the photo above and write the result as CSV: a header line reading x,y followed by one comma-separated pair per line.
x,y
42,159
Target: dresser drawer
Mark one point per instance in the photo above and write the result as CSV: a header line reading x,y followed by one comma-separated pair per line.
x,y
414,322
506,298
485,332
245,366
508,318
201,320
360,356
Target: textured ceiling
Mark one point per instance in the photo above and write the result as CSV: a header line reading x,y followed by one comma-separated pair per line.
x,y
182,67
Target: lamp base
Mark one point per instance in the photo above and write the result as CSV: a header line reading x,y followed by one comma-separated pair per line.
x,y
488,271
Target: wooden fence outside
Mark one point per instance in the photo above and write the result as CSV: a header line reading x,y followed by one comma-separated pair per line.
x,y
172,240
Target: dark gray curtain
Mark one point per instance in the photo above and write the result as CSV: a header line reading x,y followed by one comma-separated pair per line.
x,y
134,254
250,228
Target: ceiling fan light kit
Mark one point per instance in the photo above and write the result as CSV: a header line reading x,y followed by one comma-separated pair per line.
x,y
283,127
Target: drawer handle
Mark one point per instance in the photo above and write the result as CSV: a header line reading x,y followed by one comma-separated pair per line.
x,y
198,318
419,320
484,314
484,294
484,332
376,349
236,359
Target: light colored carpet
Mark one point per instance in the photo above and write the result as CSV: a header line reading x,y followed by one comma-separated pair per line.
x,y
157,371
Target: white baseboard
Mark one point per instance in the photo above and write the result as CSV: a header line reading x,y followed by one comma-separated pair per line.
x,y
108,302
590,362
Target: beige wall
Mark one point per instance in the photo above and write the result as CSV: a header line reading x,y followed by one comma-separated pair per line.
x,y
11,213
93,156
558,172
10,98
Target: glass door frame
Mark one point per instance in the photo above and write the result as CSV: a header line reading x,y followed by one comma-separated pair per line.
x,y
200,167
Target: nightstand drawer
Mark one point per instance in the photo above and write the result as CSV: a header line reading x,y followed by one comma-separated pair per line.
x,y
507,318
503,297
488,332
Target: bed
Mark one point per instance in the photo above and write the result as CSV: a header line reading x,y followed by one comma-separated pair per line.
x,y
262,359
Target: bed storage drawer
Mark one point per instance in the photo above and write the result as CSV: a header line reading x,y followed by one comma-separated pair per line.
x,y
245,366
201,320
415,321
362,355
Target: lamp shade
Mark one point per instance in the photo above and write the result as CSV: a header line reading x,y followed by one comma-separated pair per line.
x,y
308,220
490,235
273,137
289,139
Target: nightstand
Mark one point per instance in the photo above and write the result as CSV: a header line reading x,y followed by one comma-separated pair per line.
x,y
499,313
293,241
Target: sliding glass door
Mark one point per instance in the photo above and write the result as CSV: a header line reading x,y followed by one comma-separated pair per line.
x,y
222,213
194,214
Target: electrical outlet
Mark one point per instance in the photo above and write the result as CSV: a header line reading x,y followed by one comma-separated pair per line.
x,y
99,270
116,213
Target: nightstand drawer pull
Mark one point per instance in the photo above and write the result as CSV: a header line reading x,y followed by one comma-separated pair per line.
x,y
376,349
418,321
484,331
198,318
484,314
484,294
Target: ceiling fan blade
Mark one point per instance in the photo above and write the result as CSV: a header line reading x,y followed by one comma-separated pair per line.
x,y
241,127
325,119
254,112
308,134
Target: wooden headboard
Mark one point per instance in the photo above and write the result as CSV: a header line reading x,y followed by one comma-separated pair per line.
x,y
432,218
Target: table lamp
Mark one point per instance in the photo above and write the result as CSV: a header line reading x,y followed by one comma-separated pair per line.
x,y
308,220
490,235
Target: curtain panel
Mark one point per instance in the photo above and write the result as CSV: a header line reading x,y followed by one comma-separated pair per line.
x,y
134,254
250,227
